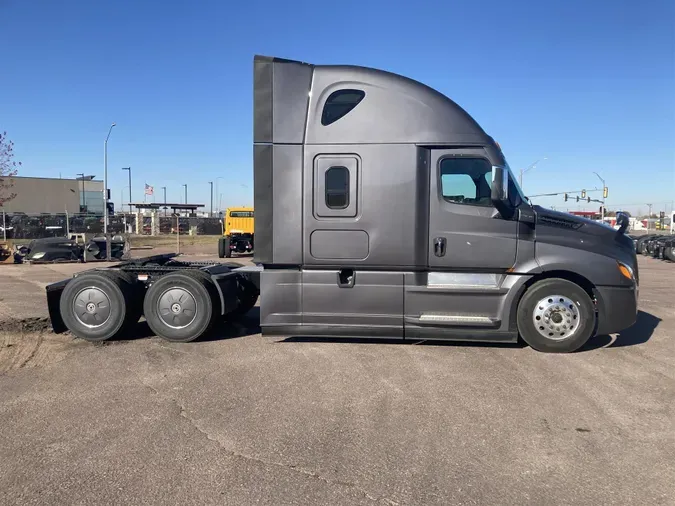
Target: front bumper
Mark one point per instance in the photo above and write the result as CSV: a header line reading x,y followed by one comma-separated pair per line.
x,y
617,308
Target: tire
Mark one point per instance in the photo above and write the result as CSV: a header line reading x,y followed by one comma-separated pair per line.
x,y
182,307
221,247
247,296
228,250
543,300
110,296
669,253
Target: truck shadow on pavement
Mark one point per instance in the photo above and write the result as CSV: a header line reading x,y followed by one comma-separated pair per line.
x,y
641,332
247,325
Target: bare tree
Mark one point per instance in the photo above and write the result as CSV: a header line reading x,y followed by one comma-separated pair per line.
x,y
8,169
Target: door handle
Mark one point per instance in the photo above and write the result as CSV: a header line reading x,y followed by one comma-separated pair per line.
x,y
345,278
439,246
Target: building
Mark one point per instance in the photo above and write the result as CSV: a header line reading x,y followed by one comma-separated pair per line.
x,y
35,195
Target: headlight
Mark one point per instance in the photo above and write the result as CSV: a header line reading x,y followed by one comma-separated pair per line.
x,y
38,256
626,271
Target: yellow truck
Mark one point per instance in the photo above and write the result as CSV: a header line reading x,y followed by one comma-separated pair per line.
x,y
238,226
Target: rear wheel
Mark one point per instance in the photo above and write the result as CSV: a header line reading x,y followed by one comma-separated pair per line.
x,y
100,305
181,307
556,316
221,247
247,296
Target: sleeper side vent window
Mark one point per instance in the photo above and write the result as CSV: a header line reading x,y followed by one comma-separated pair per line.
x,y
337,188
340,103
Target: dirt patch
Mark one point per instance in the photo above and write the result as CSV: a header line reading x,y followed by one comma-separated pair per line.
x,y
25,325
19,350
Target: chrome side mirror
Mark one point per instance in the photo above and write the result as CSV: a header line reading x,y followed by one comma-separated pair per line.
x,y
499,191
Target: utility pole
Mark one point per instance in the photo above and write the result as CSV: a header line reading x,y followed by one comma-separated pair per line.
x,y
185,193
604,193
649,217
211,213
130,197
105,195
218,191
164,189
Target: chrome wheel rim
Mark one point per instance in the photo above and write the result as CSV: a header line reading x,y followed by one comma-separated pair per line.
x,y
177,308
91,307
556,317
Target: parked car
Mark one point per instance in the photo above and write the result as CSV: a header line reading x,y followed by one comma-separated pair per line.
x,y
70,249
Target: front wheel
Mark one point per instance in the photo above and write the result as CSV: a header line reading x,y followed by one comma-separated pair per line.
x,y
556,316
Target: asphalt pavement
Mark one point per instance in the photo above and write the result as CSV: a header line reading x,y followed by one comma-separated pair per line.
x,y
242,419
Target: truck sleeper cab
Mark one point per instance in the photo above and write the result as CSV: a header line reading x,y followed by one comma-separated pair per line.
x,y
384,210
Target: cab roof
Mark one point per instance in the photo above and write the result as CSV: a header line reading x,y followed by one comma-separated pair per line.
x,y
297,102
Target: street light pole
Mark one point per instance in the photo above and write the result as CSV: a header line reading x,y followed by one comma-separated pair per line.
x,y
529,168
602,214
211,213
185,193
164,189
130,198
82,190
105,194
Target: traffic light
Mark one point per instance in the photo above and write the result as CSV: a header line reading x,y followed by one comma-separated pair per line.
x,y
577,198
566,197
605,192
589,199
583,194
600,211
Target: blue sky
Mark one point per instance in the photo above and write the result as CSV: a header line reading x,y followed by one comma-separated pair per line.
x,y
588,84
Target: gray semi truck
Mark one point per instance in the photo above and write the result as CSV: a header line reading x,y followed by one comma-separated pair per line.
x,y
383,209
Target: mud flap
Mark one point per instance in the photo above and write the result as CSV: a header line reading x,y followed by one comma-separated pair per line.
x,y
54,292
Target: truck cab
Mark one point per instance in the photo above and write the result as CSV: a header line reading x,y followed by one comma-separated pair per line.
x,y
238,231
383,209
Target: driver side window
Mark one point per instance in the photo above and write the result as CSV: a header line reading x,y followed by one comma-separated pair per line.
x,y
466,181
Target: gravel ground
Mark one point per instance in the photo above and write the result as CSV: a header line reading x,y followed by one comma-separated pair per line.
x,y
241,419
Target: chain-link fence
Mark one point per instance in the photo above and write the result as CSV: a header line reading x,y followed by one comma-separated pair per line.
x,y
37,226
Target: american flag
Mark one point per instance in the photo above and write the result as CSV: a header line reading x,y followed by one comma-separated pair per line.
x,y
149,189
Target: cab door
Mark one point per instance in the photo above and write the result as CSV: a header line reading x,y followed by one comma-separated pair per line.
x,y
466,232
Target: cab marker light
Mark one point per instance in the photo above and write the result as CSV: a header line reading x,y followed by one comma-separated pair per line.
x,y
626,271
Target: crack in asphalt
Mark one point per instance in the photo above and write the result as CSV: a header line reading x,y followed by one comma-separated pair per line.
x,y
270,463
182,412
